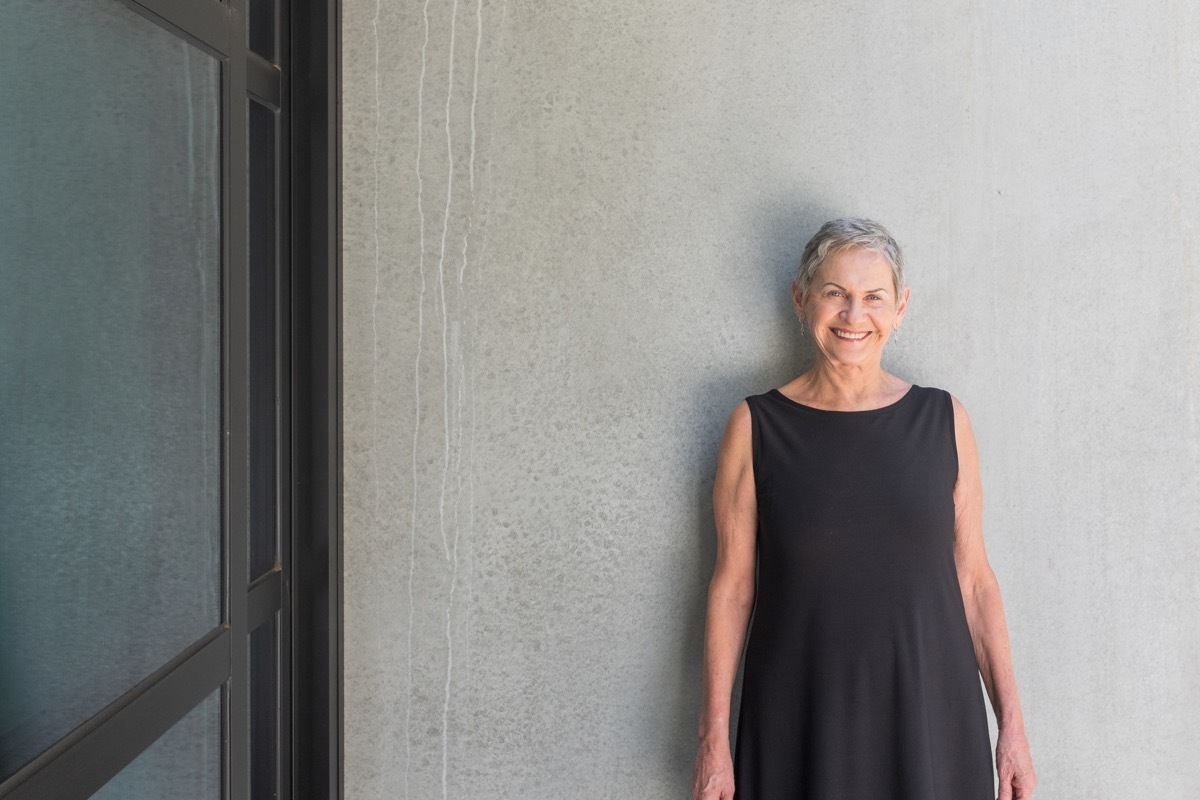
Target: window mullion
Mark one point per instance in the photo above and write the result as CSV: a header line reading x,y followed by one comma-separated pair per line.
x,y
236,294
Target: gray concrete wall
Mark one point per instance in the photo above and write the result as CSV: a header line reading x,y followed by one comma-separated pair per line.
x,y
568,233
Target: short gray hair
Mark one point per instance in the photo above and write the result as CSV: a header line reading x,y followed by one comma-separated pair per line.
x,y
842,234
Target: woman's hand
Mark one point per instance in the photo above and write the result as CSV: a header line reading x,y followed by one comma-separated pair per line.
x,y
1014,765
713,777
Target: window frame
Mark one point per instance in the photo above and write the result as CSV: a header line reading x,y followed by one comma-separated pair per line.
x,y
305,591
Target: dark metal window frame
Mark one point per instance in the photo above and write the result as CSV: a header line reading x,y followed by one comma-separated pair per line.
x,y
306,592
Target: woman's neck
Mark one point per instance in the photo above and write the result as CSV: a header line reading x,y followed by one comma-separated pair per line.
x,y
846,388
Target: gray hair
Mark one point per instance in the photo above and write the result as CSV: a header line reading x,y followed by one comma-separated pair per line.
x,y
842,234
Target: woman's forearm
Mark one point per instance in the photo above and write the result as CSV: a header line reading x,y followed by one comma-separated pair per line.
x,y
729,605
989,634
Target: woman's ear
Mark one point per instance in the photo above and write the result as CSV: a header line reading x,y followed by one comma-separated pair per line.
x,y
902,306
798,300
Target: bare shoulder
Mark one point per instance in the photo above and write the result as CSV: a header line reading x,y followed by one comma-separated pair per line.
x,y
968,453
962,420
960,411
736,442
739,418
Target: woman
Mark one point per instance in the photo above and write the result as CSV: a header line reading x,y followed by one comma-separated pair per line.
x,y
849,518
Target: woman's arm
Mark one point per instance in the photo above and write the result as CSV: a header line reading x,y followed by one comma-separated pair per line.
x,y
985,618
730,599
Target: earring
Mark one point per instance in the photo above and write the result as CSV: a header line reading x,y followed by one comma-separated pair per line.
x,y
896,332
803,327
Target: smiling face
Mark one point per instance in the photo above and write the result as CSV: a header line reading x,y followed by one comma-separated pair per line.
x,y
851,307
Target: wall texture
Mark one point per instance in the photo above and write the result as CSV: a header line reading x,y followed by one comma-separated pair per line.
x,y
568,233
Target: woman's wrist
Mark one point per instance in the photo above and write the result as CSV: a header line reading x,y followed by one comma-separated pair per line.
x,y
714,730
1012,727
1009,718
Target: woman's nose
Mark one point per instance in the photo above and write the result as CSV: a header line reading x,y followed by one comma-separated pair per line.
x,y
853,310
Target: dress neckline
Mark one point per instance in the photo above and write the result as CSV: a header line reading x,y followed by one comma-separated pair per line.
x,y
894,404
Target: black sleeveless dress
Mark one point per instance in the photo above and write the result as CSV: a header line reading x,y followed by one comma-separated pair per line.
x,y
860,680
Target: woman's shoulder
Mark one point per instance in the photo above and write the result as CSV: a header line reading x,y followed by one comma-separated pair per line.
x,y
755,399
936,391
931,391
947,400
932,394
753,402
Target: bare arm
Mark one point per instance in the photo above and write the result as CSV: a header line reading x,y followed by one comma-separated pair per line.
x,y
730,599
985,617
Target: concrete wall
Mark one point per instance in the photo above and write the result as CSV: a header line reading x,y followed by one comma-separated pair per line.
x,y
568,233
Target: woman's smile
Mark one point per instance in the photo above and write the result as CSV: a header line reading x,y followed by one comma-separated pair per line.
x,y
853,336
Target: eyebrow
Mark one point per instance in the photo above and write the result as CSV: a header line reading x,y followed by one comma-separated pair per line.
x,y
843,288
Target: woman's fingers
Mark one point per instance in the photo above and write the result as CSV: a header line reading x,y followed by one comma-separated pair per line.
x,y
1023,783
1016,787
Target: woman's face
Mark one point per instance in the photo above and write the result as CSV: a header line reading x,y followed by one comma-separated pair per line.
x,y
851,307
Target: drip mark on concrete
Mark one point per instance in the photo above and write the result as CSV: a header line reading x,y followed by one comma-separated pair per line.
x,y
375,294
475,91
446,407
462,268
442,289
412,537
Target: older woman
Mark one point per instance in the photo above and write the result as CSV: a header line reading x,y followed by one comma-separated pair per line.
x,y
848,515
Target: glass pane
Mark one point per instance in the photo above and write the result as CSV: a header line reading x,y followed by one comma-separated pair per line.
x,y
264,712
184,764
262,263
110,360
260,34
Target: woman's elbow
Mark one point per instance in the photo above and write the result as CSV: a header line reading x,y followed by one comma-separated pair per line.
x,y
978,584
732,588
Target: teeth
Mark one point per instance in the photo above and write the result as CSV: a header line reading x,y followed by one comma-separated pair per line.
x,y
854,336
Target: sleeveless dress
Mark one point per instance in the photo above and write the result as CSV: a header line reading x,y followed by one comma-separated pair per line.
x,y
860,680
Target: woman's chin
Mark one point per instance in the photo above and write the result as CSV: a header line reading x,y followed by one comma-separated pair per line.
x,y
850,353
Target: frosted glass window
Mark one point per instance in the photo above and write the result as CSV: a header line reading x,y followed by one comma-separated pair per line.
x,y
110,360
184,764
